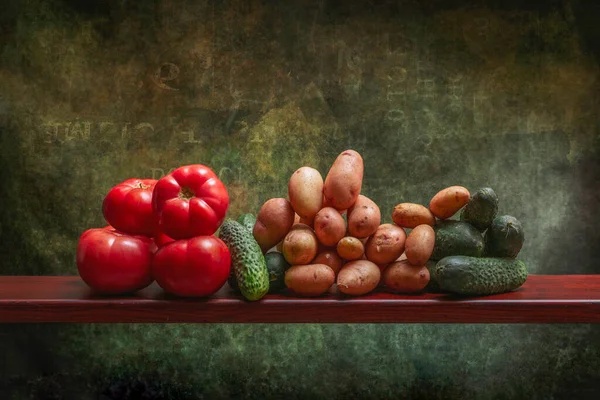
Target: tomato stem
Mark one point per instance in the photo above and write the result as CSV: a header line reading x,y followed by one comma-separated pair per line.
x,y
142,186
186,193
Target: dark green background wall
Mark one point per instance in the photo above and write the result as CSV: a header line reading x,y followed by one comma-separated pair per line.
x,y
432,94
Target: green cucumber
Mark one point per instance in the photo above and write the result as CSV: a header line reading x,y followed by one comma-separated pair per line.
x,y
277,265
504,237
481,209
248,220
247,260
480,276
456,238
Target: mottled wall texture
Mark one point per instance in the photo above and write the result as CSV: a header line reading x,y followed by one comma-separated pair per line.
x,y
432,93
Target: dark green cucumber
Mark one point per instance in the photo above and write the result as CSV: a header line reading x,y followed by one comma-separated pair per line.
x,y
480,276
504,237
248,220
481,209
247,260
276,265
456,238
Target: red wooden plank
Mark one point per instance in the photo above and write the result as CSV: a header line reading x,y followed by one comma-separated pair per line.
x,y
542,299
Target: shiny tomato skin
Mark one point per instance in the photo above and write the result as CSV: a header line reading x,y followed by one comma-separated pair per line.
x,y
196,267
190,201
112,262
128,207
161,239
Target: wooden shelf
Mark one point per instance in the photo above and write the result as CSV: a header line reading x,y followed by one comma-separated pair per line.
x,y
543,299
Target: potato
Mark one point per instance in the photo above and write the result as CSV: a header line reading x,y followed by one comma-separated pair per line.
x,y
350,248
329,258
386,244
419,244
358,277
448,201
300,245
309,280
363,217
344,180
273,222
410,215
401,276
305,191
330,226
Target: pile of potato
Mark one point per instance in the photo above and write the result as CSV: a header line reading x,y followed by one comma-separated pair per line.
x,y
332,235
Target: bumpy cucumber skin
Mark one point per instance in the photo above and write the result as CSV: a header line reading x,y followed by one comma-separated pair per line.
x,y
481,209
247,260
480,276
248,220
504,237
454,238
432,285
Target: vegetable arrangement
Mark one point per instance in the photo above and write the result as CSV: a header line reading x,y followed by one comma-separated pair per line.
x,y
326,236
159,231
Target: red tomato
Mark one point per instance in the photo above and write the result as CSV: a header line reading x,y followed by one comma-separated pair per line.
x,y
128,207
161,239
112,262
195,267
190,201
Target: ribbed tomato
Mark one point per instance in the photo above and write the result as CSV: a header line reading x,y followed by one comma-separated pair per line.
x,y
112,262
196,267
128,207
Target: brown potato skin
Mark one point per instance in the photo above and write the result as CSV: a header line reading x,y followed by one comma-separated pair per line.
x,y
386,244
329,258
363,217
350,248
309,280
410,215
305,191
403,277
344,180
448,201
273,222
300,245
419,244
329,226
358,277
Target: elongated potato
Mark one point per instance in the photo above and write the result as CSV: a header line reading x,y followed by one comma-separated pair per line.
x,y
329,226
419,244
309,280
305,191
300,245
363,217
386,244
350,248
403,277
448,201
344,180
273,222
358,277
410,215
329,258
